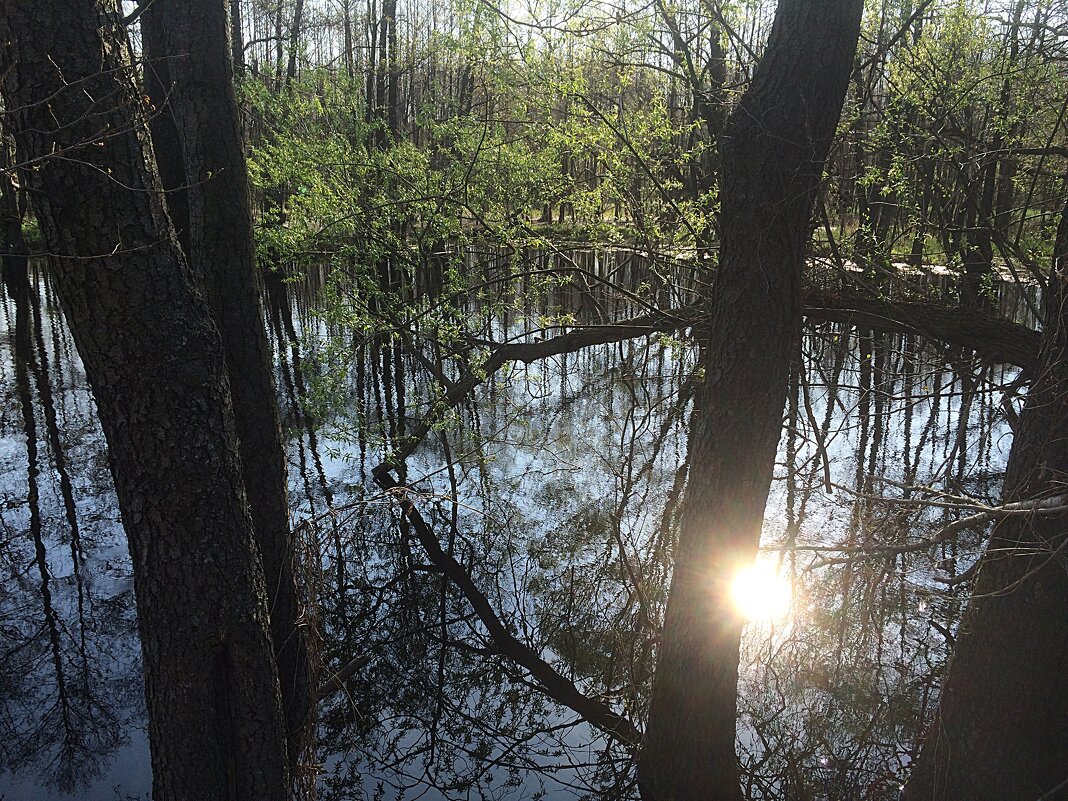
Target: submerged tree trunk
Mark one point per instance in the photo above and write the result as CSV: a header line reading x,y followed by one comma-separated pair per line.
x,y
773,152
1001,730
207,164
153,358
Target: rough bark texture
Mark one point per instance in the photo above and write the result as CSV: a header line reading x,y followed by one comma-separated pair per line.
x,y
237,40
1001,730
773,152
153,358
165,141
205,166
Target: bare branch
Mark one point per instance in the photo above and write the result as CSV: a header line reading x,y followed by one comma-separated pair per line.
x,y
1043,507
556,685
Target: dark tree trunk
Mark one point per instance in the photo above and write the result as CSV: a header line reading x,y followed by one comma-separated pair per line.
x,y
389,11
153,358
279,41
381,62
237,38
773,152
191,37
159,82
12,212
294,42
371,47
1008,105
1000,732
977,240
350,60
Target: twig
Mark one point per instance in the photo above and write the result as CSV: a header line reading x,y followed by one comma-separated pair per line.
x,y
337,680
1056,504
134,15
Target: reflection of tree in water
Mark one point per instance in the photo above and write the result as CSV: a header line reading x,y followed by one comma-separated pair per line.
x,y
833,706
557,490
67,691
566,478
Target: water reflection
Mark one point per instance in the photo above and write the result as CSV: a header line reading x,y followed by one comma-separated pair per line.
x,y
557,488
69,675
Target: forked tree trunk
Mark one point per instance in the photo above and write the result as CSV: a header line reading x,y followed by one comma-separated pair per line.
x,y
1001,729
201,157
773,152
154,360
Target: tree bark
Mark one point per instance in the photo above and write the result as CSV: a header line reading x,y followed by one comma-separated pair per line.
x,y
389,13
191,37
773,153
153,358
350,60
159,83
1000,732
12,212
237,38
294,42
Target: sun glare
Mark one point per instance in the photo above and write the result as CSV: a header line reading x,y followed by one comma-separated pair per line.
x,y
760,594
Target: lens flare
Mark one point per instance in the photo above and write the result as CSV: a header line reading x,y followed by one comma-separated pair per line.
x,y
760,594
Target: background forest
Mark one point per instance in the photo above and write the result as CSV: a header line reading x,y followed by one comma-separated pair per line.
x,y
512,360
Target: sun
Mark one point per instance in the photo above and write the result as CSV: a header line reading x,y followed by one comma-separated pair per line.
x,y
760,594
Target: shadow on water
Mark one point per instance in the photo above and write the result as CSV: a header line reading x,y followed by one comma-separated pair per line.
x,y
557,487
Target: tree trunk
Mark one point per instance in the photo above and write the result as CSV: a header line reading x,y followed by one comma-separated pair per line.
x,y
192,39
773,152
294,42
12,210
153,358
371,47
978,239
389,11
279,41
237,38
159,81
350,61
1000,732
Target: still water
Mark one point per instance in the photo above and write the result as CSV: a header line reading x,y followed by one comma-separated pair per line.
x,y
557,486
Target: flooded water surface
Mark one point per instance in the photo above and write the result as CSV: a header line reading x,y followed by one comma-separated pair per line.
x,y
557,486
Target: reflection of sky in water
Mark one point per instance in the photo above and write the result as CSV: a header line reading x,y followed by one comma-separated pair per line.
x,y
563,466
69,667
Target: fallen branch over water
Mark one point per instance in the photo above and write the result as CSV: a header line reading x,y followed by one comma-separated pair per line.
x,y
992,338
